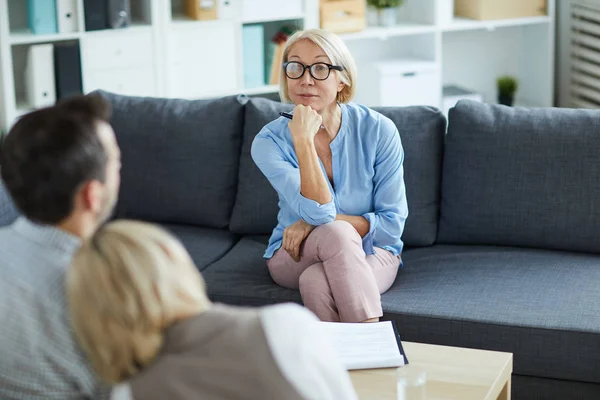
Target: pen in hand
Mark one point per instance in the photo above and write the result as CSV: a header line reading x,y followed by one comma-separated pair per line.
x,y
290,116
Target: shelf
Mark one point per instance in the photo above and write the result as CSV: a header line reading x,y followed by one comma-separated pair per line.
x,y
135,26
465,24
405,28
182,19
260,90
264,20
24,36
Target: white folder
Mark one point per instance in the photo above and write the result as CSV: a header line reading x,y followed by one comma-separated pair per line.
x,y
39,76
66,13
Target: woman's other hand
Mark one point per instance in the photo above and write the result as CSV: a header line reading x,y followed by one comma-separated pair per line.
x,y
305,124
294,235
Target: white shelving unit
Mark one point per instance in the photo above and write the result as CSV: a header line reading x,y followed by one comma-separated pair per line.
x,y
166,54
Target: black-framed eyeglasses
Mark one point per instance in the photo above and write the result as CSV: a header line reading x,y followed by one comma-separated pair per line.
x,y
320,70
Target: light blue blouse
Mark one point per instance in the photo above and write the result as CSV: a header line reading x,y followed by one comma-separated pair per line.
x,y
368,177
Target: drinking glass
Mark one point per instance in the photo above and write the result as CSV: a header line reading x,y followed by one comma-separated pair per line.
x,y
411,383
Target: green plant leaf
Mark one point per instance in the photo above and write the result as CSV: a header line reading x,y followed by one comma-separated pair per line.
x,y
385,3
507,85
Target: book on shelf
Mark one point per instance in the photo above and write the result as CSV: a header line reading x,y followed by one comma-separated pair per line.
x,y
275,53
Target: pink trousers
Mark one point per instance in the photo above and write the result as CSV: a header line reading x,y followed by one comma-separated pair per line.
x,y
337,281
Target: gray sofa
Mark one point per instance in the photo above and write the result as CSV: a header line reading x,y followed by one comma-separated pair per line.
x,y
502,239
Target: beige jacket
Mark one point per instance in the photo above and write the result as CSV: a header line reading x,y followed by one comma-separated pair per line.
x,y
244,353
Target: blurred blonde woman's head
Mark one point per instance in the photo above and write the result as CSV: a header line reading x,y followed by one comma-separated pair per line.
x,y
127,284
337,52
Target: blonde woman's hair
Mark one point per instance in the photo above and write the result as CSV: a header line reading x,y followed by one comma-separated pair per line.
x,y
338,53
126,284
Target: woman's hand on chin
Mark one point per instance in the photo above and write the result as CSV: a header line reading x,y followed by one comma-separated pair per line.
x,y
305,124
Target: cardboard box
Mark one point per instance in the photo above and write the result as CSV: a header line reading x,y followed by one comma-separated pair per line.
x,y
202,10
341,16
499,9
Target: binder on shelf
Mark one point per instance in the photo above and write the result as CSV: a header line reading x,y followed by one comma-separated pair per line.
x,y
253,55
276,56
41,16
277,64
95,14
66,14
39,76
67,70
119,14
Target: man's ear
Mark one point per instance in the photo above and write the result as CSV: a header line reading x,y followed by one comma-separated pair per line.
x,y
91,195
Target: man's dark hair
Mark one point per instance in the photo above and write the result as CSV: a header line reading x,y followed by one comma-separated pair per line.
x,y
49,153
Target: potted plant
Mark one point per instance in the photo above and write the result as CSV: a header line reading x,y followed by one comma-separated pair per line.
x,y
507,87
387,11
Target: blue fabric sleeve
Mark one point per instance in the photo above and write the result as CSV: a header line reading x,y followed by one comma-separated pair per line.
x,y
389,193
285,179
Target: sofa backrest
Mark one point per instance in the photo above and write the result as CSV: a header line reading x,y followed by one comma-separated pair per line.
x,y
522,177
422,133
179,158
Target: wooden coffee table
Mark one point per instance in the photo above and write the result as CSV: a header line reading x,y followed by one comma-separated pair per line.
x,y
452,373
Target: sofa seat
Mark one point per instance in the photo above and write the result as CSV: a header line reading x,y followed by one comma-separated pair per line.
x,y
541,305
205,245
241,277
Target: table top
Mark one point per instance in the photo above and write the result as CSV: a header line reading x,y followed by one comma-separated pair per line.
x,y
452,373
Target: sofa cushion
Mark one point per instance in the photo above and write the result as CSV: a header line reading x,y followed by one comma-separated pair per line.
x,y
422,132
180,158
8,211
241,277
541,305
205,245
521,177
256,204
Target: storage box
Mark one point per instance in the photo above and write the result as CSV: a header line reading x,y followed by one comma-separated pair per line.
x,y
343,15
201,9
499,9
407,82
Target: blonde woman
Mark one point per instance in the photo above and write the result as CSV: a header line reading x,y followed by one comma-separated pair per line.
x,y
141,313
337,167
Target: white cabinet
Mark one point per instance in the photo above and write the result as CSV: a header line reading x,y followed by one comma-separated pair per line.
x,y
112,49
128,81
408,82
166,54
119,63
201,61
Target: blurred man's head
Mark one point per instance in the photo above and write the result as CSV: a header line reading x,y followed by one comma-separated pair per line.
x,y
61,164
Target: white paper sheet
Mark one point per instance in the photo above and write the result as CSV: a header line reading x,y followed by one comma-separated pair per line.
x,y
364,345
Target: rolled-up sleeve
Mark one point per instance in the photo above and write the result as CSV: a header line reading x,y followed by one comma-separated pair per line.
x,y
389,194
285,179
